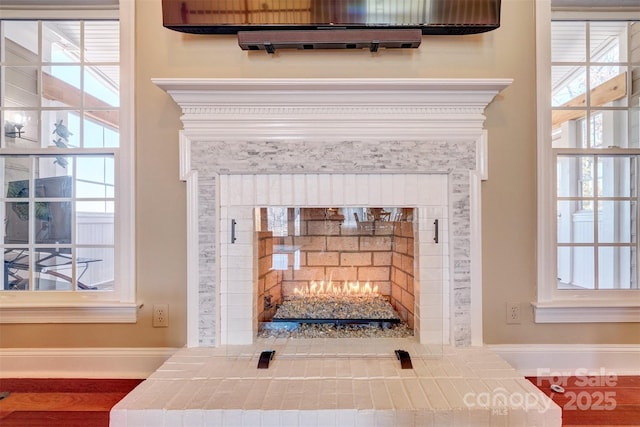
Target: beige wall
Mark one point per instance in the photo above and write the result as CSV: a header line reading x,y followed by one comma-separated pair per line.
x,y
509,196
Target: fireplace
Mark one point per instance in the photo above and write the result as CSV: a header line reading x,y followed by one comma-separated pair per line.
x,y
324,144
407,157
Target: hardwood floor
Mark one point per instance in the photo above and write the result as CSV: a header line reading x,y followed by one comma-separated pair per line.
x,y
61,402
595,401
592,401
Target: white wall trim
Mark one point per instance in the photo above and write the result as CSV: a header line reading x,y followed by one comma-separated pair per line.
x,y
581,312
475,188
70,313
119,363
567,360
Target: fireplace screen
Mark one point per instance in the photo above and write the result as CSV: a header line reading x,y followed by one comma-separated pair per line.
x,y
335,272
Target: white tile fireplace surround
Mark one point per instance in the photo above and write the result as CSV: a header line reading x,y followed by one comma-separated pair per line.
x,y
250,143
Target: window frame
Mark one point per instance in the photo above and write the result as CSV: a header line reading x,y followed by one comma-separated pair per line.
x,y
554,305
82,307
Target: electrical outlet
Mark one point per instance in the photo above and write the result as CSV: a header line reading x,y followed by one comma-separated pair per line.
x,y
160,315
513,313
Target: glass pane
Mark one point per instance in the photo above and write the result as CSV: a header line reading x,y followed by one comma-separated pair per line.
x,y
635,87
60,41
575,225
101,129
615,268
61,128
15,169
58,167
569,86
95,177
21,86
609,129
53,269
53,221
608,86
95,223
608,41
634,128
575,267
17,222
569,41
102,86
98,34
20,42
16,172
16,270
615,221
61,86
568,129
95,269
618,176
21,129
575,176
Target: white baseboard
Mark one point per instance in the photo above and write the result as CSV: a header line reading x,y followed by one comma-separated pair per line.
x,y
81,362
574,359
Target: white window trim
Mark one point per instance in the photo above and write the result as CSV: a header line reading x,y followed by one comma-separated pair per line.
x,y
552,305
81,307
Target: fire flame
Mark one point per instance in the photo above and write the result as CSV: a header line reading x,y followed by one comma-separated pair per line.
x,y
329,288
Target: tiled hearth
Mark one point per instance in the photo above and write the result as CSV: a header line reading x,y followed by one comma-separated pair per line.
x,y
320,383
412,143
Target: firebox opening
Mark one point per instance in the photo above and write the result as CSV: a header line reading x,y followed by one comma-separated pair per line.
x,y
335,271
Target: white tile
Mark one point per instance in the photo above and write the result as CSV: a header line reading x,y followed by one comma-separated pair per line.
x,y
386,189
234,189
286,190
271,419
275,190
337,189
365,418
345,418
385,418
351,190
118,418
251,418
232,418
362,184
375,187
444,418
290,418
410,189
173,418
324,191
380,395
193,418
312,190
299,190
262,190
213,418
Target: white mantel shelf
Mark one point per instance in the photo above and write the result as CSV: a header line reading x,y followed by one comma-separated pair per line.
x,y
353,107
342,84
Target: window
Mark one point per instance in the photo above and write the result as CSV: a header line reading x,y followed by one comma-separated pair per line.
x,y
65,157
589,149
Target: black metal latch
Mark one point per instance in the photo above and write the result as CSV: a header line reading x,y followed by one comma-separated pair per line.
x,y
265,358
404,358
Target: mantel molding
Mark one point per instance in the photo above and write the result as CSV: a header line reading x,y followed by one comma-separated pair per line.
x,y
300,108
